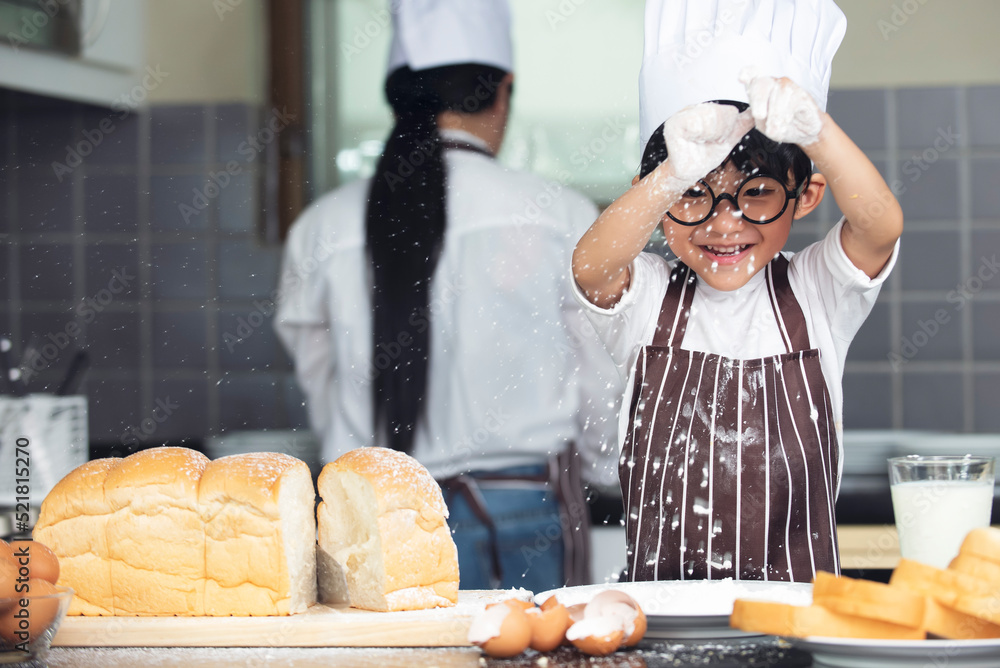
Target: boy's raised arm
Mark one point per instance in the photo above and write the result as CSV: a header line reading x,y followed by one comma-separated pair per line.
x,y
602,256
786,113
874,217
698,139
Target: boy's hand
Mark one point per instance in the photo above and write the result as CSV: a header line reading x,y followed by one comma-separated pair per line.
x,y
700,137
784,112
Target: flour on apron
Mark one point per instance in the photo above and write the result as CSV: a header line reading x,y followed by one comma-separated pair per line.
x,y
729,467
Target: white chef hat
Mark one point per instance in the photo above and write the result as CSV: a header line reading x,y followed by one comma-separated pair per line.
x,y
695,49
433,33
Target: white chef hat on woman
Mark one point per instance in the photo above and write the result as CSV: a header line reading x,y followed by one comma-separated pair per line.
x,y
695,49
434,33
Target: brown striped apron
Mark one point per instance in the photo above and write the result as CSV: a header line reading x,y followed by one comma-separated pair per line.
x,y
729,467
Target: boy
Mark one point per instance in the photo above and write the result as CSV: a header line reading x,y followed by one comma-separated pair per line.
x,y
731,426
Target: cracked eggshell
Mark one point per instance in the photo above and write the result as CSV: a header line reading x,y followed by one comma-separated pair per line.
x,y
618,604
576,611
501,630
575,615
597,636
548,626
550,602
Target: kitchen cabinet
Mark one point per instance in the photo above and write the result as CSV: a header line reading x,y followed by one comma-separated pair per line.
x,y
110,64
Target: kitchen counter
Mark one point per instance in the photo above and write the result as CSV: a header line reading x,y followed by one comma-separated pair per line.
x,y
862,547
761,652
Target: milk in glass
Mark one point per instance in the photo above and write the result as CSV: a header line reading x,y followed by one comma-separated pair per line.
x,y
933,516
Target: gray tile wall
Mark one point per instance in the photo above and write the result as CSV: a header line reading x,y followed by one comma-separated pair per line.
x,y
99,255
927,358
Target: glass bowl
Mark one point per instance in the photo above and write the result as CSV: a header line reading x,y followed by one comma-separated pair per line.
x,y
28,625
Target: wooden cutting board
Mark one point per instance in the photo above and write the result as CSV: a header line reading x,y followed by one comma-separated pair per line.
x,y
320,626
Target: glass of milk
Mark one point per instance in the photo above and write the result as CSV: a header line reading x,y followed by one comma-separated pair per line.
x,y
937,501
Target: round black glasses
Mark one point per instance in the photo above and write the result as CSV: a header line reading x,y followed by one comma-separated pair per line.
x,y
760,200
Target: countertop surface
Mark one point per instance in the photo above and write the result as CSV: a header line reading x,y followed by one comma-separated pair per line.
x,y
759,652
873,546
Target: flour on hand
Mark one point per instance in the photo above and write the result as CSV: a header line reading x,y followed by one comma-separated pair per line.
x,y
783,111
699,138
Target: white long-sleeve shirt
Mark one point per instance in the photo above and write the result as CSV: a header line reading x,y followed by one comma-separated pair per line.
x,y
515,368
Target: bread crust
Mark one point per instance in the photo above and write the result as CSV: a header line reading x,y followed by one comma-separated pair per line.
x,y
983,542
399,481
167,532
961,602
953,599
977,567
73,522
871,600
781,619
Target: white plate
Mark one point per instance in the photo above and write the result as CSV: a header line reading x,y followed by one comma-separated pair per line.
x,y
855,653
690,610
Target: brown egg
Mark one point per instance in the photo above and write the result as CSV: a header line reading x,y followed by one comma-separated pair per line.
x,y
8,579
597,636
8,576
639,632
501,630
616,603
550,602
548,626
33,618
42,562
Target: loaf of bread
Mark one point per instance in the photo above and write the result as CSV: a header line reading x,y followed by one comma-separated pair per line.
x,y
384,542
165,531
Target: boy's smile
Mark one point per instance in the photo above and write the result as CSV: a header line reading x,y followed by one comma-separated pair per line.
x,y
726,254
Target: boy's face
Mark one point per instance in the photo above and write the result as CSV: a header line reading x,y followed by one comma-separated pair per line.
x,y
726,251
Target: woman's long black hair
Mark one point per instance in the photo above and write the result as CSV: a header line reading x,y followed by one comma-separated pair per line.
x,y
755,151
404,226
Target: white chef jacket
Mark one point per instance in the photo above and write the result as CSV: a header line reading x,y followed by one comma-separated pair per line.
x,y
515,371
835,296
